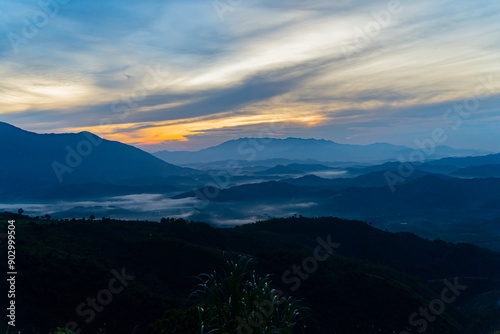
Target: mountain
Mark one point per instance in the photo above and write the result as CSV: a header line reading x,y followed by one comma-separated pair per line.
x,y
35,164
310,167
479,171
272,190
253,149
260,164
428,193
280,170
373,179
431,205
487,166
468,161
369,195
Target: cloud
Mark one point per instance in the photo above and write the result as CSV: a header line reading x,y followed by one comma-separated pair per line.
x,y
318,63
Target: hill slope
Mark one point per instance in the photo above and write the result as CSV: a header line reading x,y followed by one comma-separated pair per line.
x,y
372,282
33,163
481,171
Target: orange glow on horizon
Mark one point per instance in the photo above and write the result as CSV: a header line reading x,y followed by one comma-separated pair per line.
x,y
156,133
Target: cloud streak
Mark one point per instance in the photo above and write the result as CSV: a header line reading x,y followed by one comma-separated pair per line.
x,y
285,57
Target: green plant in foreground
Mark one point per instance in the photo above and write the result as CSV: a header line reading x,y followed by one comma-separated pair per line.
x,y
236,301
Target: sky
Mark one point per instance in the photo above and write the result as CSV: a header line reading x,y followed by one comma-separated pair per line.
x,y
189,74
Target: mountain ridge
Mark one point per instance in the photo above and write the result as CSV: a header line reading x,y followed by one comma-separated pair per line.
x,y
322,150
34,163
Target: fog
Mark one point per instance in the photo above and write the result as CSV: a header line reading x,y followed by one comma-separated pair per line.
x,y
138,206
153,207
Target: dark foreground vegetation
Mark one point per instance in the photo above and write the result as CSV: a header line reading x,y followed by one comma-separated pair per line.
x,y
338,276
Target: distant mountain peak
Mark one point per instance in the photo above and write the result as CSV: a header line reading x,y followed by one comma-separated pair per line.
x,y
298,149
9,127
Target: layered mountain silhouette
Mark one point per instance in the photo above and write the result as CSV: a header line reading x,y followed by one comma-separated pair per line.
x,y
473,166
368,193
281,170
285,178
463,162
430,204
253,149
479,171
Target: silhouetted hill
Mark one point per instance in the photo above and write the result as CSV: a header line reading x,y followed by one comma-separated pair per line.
x,y
34,163
479,171
272,190
441,166
431,193
310,167
370,195
280,170
372,281
427,204
468,161
373,179
398,250
393,167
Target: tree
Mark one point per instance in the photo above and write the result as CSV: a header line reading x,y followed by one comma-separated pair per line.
x,y
91,217
47,217
20,211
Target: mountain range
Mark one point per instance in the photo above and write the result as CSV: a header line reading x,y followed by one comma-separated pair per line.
x,y
254,149
450,196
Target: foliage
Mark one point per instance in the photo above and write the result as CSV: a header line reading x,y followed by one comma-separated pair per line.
x,y
236,299
372,283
